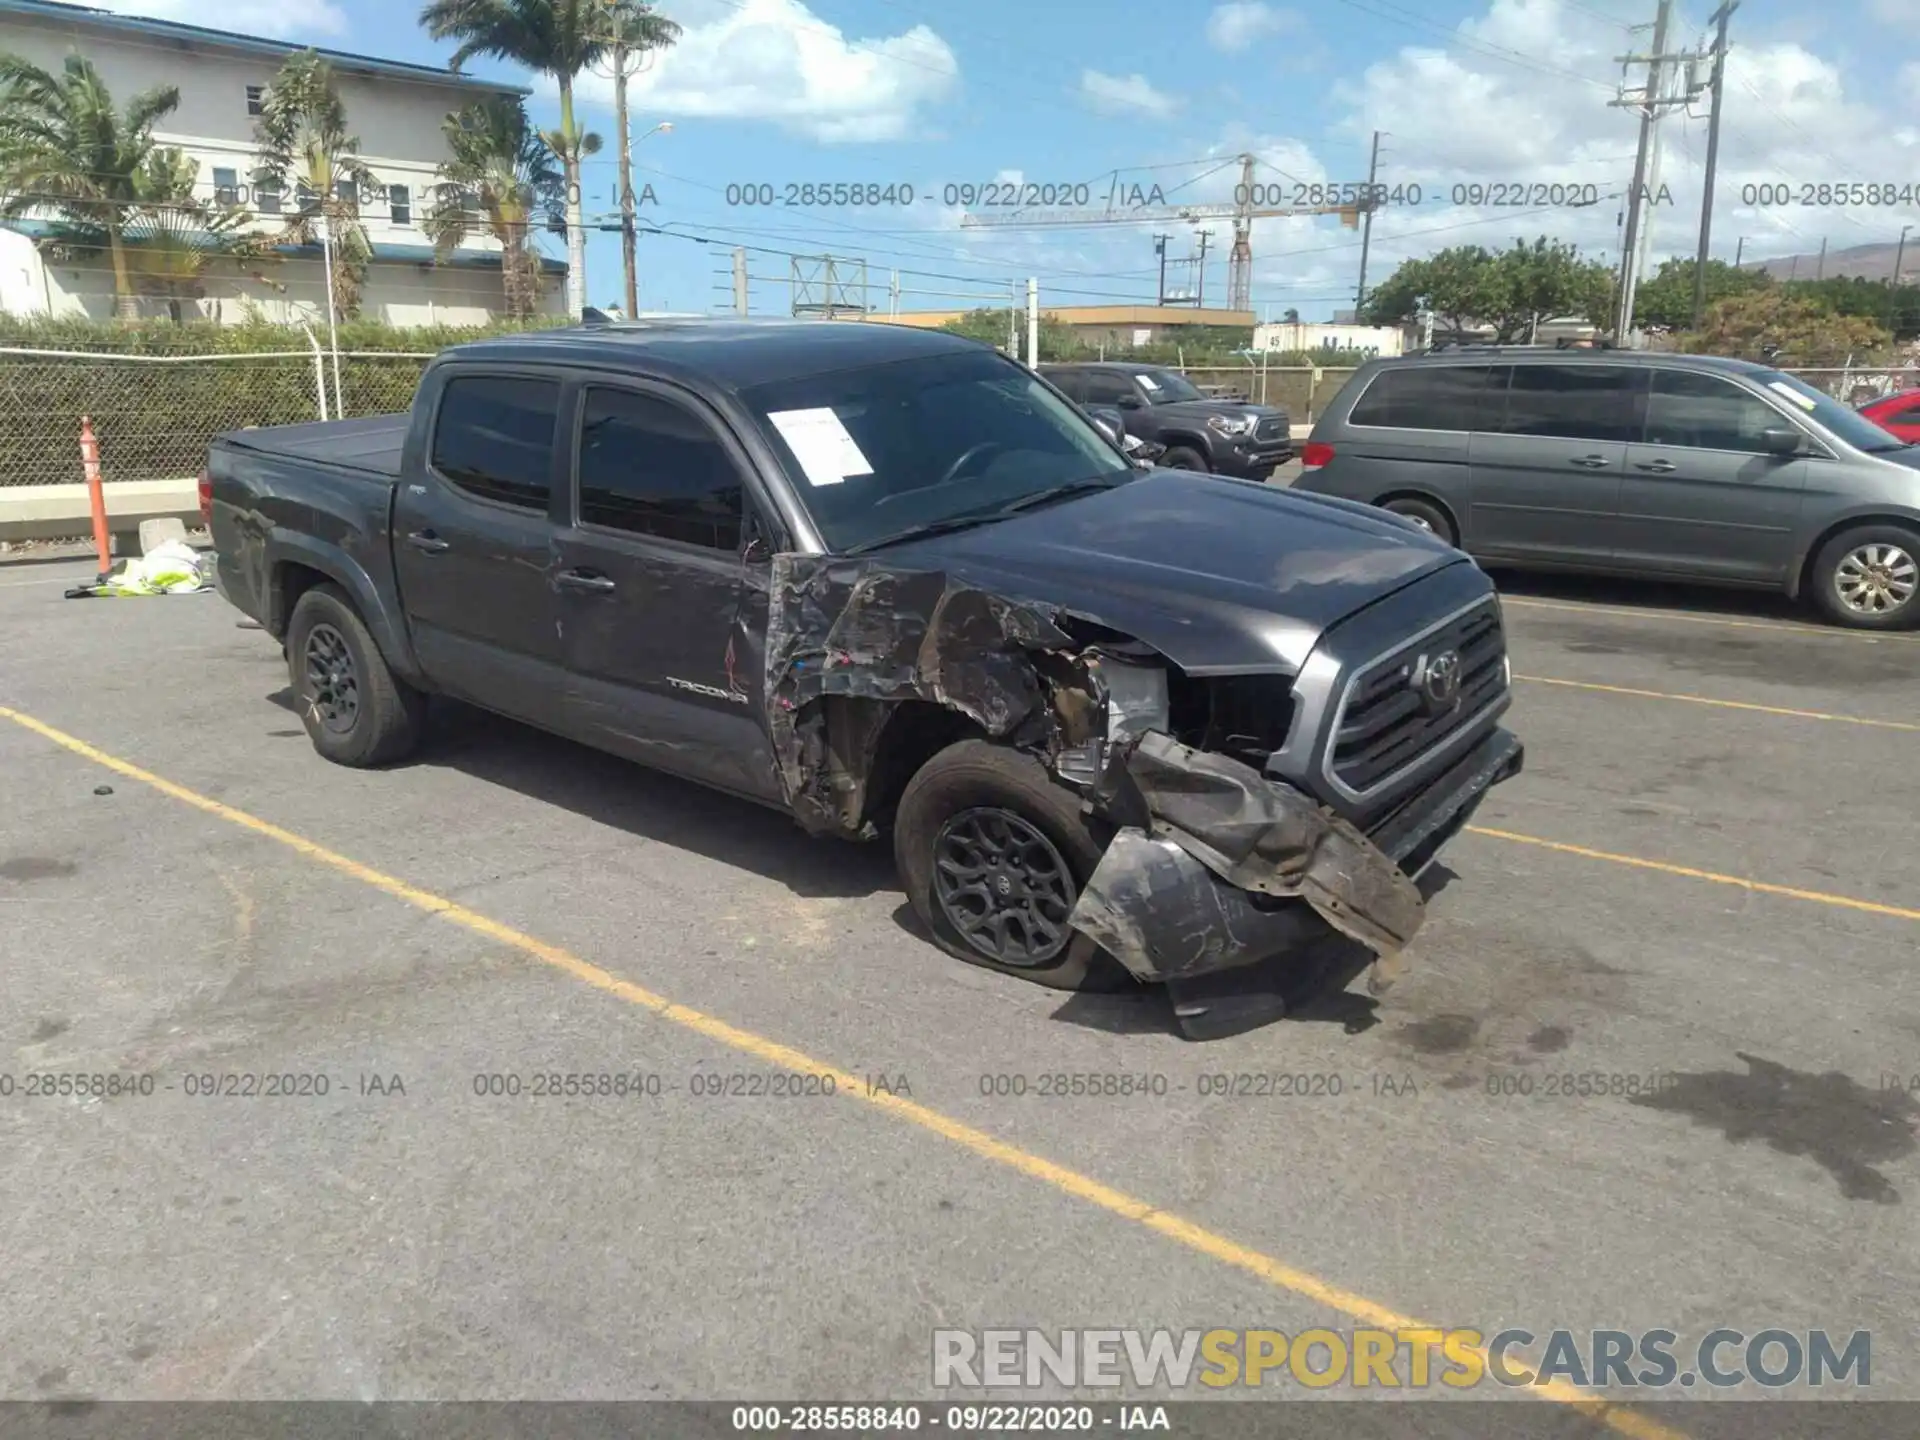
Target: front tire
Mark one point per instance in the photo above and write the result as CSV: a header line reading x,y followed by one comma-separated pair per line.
x,y
355,710
993,854
1868,578
1183,457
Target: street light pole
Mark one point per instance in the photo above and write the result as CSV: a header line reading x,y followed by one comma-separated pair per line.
x,y
628,227
1899,254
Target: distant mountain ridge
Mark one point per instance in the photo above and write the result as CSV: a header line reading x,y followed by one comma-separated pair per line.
x,y
1870,262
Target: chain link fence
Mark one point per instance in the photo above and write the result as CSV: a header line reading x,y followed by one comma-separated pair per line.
x,y
154,415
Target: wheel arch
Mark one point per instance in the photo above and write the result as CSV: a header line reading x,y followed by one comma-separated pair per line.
x,y
1800,577
1425,497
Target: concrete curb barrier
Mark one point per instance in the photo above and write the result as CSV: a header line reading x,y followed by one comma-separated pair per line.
x,y
51,512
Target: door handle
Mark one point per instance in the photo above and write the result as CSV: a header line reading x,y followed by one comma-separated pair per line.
x,y
428,542
1590,462
1658,467
584,580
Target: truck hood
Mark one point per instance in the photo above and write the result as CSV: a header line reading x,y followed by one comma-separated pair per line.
x,y
1220,576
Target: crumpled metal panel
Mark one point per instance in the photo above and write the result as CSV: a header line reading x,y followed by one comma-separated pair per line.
x,y
1164,916
1255,834
864,631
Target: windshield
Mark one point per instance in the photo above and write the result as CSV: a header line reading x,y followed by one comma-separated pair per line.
x,y
879,450
1164,385
1847,425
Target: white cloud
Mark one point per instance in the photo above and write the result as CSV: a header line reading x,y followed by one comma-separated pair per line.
x,y
277,19
1238,23
1113,94
1469,113
776,60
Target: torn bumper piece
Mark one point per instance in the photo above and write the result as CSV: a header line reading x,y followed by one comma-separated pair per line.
x,y
1232,868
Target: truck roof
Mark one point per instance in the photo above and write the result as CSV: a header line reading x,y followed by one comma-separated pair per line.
x,y
734,354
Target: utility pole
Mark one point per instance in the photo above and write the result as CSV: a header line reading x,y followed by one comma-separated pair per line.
x,y
1899,254
1649,105
1821,273
1160,249
739,280
1033,323
1366,227
1200,284
1719,84
1738,251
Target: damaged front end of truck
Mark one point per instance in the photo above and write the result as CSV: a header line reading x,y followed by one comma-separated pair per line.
x,y
1212,865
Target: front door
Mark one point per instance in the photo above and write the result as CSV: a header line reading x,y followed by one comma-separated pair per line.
x,y
661,605
1701,495
1545,475
474,548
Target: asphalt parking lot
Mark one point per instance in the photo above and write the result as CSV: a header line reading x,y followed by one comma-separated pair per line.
x,y
1705,875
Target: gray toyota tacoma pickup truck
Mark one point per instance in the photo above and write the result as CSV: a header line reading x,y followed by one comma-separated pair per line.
x,y
1122,725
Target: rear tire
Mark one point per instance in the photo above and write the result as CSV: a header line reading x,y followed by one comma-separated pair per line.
x,y
1427,515
355,710
1183,457
993,854
1868,578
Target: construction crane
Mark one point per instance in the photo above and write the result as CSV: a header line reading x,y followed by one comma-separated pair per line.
x,y
1242,213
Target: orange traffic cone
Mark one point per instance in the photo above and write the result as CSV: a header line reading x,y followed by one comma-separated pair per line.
x,y
96,495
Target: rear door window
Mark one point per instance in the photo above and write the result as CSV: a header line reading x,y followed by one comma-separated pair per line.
x,y
1432,397
1572,402
1103,388
1705,412
493,437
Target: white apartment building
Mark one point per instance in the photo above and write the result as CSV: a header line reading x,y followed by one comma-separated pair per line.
x,y
395,109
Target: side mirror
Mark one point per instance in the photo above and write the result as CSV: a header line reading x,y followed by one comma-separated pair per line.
x,y
1108,419
1781,440
756,551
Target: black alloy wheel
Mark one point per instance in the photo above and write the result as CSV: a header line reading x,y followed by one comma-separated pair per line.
x,y
332,685
1003,886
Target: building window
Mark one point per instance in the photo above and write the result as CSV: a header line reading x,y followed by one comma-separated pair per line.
x,y
266,195
346,192
226,187
400,204
305,198
256,94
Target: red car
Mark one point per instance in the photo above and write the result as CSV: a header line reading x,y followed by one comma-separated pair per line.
x,y
1898,413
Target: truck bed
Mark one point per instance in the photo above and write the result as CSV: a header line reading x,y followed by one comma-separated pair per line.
x,y
370,445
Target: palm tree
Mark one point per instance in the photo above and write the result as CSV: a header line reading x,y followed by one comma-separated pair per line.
x,y
501,176
304,142
634,31
169,239
64,147
555,37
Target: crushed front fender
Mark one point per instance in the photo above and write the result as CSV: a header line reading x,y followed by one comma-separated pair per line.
x,y
1202,885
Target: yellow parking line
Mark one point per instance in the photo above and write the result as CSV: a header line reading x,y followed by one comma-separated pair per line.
x,y
1759,887
1832,632
1721,704
1164,1223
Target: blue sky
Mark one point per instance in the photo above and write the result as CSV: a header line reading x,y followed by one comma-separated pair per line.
x,y
1143,92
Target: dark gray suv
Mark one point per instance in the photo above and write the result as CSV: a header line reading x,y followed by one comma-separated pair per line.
x,y
1683,467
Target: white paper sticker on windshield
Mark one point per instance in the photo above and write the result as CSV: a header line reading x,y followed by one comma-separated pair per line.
x,y
1805,402
1148,381
821,444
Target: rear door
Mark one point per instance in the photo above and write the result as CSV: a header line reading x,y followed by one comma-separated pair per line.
x,y
474,547
1546,472
1700,495
662,605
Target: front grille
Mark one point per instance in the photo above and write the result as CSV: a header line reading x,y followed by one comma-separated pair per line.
x,y
1386,725
1271,427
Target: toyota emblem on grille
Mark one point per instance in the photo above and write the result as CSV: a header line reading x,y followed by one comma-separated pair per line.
x,y
1436,679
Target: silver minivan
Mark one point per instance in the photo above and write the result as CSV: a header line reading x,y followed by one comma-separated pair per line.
x,y
1680,467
